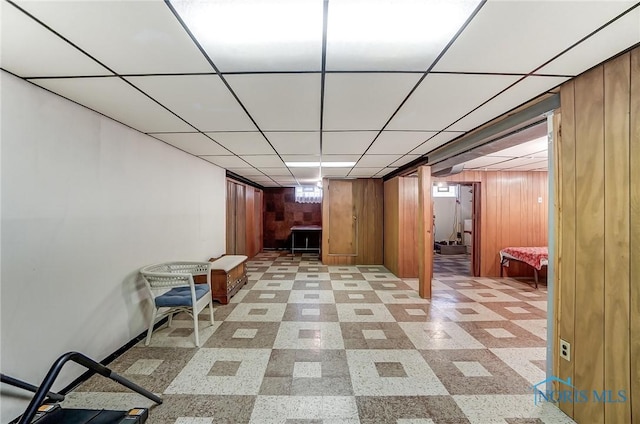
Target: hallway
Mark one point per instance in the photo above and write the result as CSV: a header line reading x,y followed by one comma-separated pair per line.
x,y
303,342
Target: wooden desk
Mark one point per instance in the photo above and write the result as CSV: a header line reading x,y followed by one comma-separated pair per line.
x,y
306,230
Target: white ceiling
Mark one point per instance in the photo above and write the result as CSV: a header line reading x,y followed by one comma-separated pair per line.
x,y
251,84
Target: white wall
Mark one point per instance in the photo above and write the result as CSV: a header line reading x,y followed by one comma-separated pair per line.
x,y
86,202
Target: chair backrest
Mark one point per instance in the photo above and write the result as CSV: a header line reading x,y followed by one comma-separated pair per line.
x,y
167,275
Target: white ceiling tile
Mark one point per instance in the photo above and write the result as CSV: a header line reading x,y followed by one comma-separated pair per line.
x,y
364,172
371,161
530,148
385,171
346,142
335,172
269,184
250,35
519,36
31,50
340,158
616,37
194,143
118,100
127,36
405,160
227,161
247,172
263,161
437,141
285,180
280,171
301,158
364,101
399,142
243,143
485,161
202,100
442,99
306,173
280,101
295,143
520,93
512,163
530,167
402,35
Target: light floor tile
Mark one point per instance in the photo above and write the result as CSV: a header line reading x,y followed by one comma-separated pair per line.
x,y
289,336
363,312
278,409
194,378
439,335
193,420
472,369
499,333
534,326
245,333
467,311
517,310
374,334
144,366
101,400
520,360
311,296
540,304
488,295
420,379
400,296
495,409
257,312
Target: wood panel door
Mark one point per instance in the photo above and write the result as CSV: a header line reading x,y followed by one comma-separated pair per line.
x,y
231,220
342,225
475,236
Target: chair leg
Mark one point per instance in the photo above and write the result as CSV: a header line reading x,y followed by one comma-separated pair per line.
x,y
195,327
170,320
150,330
211,311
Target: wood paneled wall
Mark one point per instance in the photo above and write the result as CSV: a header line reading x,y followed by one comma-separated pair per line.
x,y
598,238
352,216
244,219
511,214
400,226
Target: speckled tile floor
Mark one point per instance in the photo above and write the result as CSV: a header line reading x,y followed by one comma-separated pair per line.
x,y
308,343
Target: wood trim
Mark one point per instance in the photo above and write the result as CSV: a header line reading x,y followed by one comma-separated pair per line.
x,y
425,232
617,371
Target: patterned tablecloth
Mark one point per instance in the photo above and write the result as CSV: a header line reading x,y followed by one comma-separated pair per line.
x,y
537,257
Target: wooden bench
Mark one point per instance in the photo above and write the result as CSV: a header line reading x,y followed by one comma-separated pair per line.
x,y
228,275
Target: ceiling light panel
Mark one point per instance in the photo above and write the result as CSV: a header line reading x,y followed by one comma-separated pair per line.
x,y
264,161
520,93
202,100
346,142
499,38
194,143
227,162
127,36
405,35
364,101
399,142
243,143
436,141
118,100
280,101
441,99
372,161
295,143
31,50
616,37
255,35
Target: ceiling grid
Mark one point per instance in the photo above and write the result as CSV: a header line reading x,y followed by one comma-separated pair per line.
x,y
352,88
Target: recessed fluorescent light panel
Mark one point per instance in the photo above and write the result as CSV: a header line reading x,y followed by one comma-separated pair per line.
x,y
323,164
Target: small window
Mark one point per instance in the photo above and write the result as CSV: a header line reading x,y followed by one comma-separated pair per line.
x,y
308,194
445,190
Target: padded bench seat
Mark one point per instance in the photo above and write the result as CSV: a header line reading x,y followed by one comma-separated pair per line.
x,y
228,275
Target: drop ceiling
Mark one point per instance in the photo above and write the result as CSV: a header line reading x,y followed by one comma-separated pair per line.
x,y
250,85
